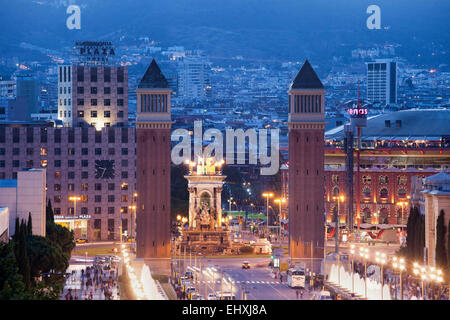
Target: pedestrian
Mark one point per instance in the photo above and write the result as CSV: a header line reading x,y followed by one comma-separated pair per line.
x,y
281,278
296,293
301,293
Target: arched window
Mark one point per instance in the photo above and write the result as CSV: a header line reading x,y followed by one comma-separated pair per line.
x,y
366,215
401,193
384,193
384,213
335,192
367,193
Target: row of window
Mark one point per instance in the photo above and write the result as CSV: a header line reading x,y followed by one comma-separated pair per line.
x,y
401,180
97,198
94,90
16,134
70,151
106,74
106,102
367,193
306,103
85,174
97,187
94,114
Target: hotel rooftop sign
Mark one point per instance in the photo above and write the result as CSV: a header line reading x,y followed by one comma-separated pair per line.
x,y
94,52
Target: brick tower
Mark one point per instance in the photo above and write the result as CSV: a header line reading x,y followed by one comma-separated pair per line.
x,y
306,167
153,165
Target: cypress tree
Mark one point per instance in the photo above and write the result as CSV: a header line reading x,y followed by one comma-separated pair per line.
x,y
448,245
49,212
17,230
441,253
22,257
29,225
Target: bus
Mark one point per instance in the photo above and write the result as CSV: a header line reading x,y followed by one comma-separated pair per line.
x,y
296,278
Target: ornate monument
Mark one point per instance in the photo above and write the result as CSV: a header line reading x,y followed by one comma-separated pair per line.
x,y
207,232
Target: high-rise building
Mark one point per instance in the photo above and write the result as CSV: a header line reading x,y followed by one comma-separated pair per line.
x,y
306,166
382,81
93,95
28,87
153,126
193,78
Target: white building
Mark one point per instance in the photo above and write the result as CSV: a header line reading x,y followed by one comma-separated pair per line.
x,y
65,94
24,195
4,224
193,78
382,81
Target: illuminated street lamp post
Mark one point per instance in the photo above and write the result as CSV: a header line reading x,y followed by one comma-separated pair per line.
x,y
267,195
74,199
420,271
336,237
133,207
364,253
402,204
230,201
352,252
279,201
399,264
381,259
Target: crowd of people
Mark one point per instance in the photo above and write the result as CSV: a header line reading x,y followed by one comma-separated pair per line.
x,y
95,282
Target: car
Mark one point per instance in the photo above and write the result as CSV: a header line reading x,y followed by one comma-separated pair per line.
x,y
82,240
212,296
325,295
245,265
190,290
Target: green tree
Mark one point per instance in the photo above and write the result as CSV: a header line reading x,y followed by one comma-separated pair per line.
x,y
49,216
11,285
17,229
29,224
61,237
448,246
22,257
441,253
45,256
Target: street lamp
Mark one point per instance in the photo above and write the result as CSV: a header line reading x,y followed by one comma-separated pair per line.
x,y
74,199
381,259
336,236
402,204
230,201
399,264
352,251
267,195
279,201
420,272
364,253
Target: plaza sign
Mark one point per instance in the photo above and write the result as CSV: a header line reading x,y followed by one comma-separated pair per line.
x,y
94,51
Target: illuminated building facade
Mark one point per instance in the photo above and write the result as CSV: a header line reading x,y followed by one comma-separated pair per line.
x,y
397,149
306,165
153,124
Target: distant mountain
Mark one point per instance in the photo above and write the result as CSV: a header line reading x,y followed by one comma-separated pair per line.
x,y
261,29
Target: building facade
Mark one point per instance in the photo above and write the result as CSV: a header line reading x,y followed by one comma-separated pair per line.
x,y
153,124
382,81
193,78
98,166
306,165
93,95
25,195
